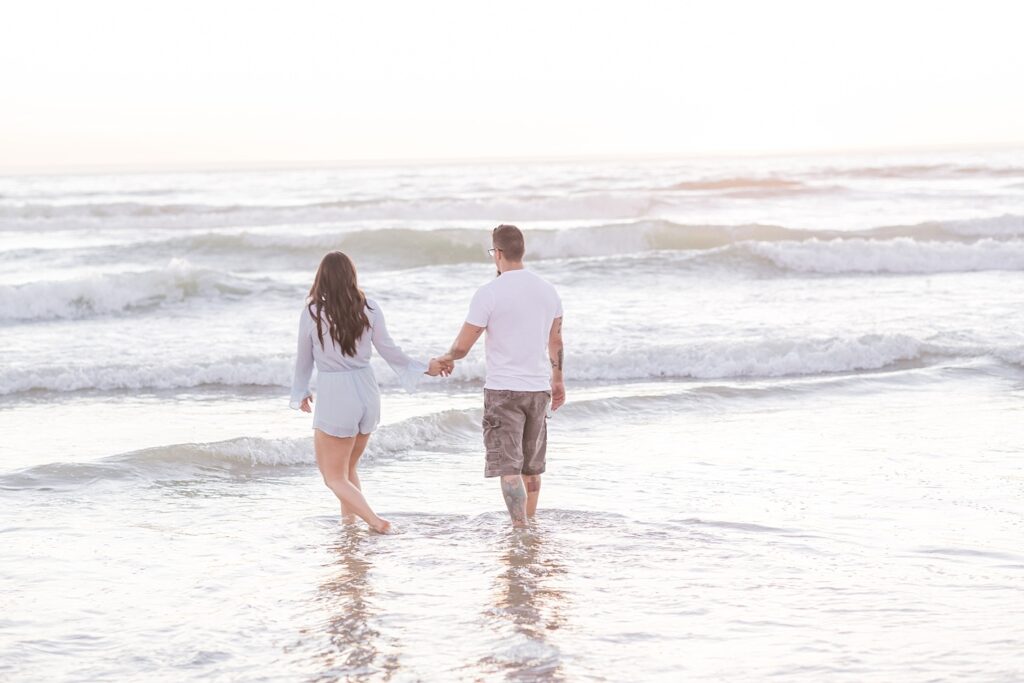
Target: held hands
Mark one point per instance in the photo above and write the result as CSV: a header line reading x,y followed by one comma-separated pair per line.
x,y
447,364
440,366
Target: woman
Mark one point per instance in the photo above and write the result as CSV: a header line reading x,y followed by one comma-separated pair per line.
x,y
336,328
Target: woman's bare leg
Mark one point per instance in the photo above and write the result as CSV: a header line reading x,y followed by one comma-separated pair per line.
x,y
353,476
333,455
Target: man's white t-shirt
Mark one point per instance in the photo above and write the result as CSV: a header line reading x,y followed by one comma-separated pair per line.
x,y
517,309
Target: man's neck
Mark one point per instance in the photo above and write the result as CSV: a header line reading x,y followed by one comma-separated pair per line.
x,y
512,266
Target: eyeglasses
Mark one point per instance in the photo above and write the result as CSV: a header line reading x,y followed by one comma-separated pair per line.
x,y
490,252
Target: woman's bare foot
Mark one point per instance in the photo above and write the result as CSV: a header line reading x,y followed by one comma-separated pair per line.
x,y
382,527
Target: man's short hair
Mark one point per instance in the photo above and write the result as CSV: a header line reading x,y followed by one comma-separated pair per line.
x,y
509,239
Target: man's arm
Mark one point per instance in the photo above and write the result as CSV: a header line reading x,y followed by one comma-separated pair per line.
x,y
556,352
463,343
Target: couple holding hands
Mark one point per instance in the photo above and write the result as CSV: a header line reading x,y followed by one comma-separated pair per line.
x,y
522,315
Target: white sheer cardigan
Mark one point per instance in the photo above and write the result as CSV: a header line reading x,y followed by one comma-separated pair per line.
x,y
329,358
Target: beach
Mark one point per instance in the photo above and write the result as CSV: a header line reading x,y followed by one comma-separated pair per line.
x,y
790,448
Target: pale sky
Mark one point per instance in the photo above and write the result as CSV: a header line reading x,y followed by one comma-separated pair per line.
x,y
179,83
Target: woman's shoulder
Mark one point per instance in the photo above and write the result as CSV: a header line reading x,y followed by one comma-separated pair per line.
x,y
372,308
306,314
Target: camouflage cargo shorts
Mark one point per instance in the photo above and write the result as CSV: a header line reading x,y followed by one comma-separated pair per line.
x,y
515,431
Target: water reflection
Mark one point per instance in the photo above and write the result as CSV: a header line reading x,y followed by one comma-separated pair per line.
x,y
527,609
354,649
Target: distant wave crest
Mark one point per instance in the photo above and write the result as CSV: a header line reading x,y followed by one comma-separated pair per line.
x,y
935,247
744,185
938,170
114,215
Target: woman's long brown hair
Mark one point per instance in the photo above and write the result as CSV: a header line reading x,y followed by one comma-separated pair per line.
x,y
336,293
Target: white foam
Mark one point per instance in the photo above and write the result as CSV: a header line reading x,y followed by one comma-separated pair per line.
x,y
700,359
104,293
245,450
263,371
723,359
64,378
900,255
427,432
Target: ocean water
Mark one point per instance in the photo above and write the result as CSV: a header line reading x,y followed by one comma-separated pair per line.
x,y
791,447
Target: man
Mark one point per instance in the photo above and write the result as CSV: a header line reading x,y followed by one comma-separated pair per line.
x,y
522,314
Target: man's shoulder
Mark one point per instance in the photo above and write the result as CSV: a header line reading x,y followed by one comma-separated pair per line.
x,y
488,288
541,283
524,282
524,278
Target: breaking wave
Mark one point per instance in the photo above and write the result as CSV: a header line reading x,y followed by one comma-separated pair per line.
x,y
702,359
246,371
105,293
452,428
957,246
900,255
407,247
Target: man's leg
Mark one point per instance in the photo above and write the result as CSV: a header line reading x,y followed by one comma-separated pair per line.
x,y
503,438
532,483
515,498
535,446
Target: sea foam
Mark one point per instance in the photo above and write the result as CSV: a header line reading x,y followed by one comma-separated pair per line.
x,y
703,359
94,294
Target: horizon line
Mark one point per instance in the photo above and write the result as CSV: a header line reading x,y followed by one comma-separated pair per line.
x,y
272,165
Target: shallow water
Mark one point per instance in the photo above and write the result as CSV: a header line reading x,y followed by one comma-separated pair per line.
x,y
795,457
831,536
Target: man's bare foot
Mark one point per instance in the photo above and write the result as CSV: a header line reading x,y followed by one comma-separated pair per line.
x,y
382,527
